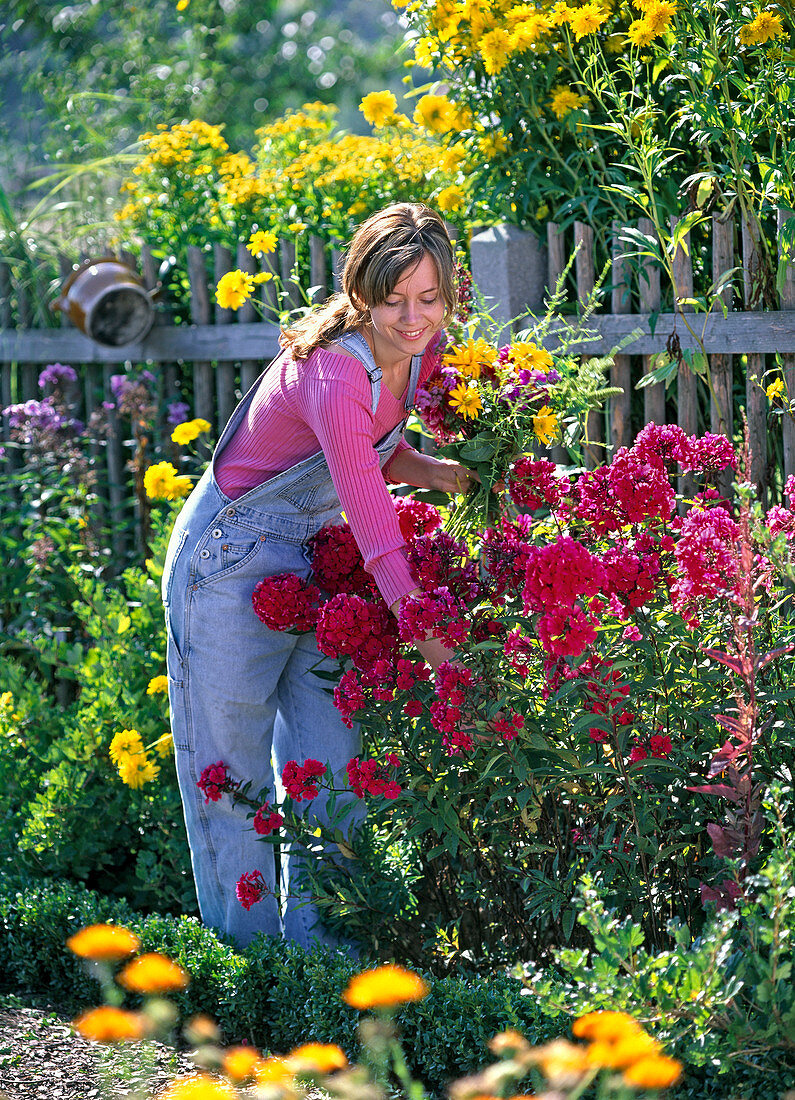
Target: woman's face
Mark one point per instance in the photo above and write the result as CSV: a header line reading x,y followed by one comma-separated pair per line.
x,y
405,323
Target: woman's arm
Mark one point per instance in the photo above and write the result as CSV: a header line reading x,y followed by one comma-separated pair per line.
x,y
409,467
431,648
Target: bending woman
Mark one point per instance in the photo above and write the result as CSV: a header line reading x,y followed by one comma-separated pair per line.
x,y
319,433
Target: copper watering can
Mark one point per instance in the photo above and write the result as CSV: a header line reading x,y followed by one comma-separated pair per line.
x,y
108,301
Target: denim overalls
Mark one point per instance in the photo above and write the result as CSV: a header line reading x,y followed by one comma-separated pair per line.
x,y
241,693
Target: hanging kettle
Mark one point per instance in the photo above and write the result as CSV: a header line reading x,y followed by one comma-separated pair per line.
x,y
107,300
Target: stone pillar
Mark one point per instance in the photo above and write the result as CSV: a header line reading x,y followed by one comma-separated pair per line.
x,y
509,268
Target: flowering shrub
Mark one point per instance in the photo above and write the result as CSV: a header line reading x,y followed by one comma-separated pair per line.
x,y
572,729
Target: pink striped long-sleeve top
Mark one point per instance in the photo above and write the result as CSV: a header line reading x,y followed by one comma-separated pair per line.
x,y
324,403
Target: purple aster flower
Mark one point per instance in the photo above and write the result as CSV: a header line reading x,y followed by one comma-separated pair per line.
x,y
57,374
177,412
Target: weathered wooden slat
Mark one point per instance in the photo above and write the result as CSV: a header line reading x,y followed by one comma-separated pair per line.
x,y
755,400
650,300
290,288
556,255
620,372
6,385
247,315
686,381
225,371
117,481
337,264
586,280
771,331
203,402
317,268
721,367
788,358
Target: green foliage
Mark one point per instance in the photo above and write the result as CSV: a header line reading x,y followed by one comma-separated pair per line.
x,y
274,995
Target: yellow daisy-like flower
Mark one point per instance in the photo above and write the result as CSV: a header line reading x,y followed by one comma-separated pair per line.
x,y
263,277
316,1058
529,356
297,227
103,942
182,4
153,973
124,743
561,13
747,34
587,20
659,14
425,52
157,685
775,389
640,32
656,1072
564,100
768,25
545,425
199,1087
492,145
384,987
496,48
605,1026
180,487
470,358
234,289
529,31
164,744
158,480
450,199
273,1071
263,242
453,157
378,108
109,1025
136,769
190,430
436,113
465,399
239,1063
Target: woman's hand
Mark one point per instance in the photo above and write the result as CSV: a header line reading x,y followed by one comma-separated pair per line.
x,y
451,477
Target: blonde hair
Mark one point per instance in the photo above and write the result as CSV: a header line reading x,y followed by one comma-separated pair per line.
x,y
386,246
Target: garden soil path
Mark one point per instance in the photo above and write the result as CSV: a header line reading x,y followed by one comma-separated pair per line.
x,y
41,1057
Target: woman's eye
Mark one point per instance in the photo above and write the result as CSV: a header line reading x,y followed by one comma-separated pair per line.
x,y
429,301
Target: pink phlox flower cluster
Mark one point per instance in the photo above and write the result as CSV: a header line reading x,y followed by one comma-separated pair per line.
x,y
300,780
533,483
267,821
505,555
250,888
349,696
789,488
663,443
659,745
416,517
633,572
485,626
605,694
349,625
556,671
781,521
706,557
628,491
710,453
559,574
337,564
286,602
438,560
215,781
508,726
370,777
452,685
568,631
409,672
436,613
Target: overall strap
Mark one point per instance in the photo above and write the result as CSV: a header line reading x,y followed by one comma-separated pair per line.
x,y
416,364
357,346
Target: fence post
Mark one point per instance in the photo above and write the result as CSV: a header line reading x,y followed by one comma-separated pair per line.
x,y
788,358
755,400
317,268
225,369
556,265
686,381
6,388
650,298
620,372
586,280
203,404
249,368
509,268
721,365
289,285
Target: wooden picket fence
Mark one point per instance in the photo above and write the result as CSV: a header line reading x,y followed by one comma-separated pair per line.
x,y
216,357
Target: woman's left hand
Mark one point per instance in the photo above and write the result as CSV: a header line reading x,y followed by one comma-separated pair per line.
x,y
451,477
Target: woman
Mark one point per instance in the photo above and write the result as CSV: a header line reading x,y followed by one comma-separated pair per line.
x,y
320,433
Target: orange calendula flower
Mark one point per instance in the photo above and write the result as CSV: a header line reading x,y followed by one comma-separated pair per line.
x,y
240,1063
384,987
109,1025
273,1071
563,1063
199,1087
103,942
624,1052
605,1026
316,1058
656,1072
153,973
